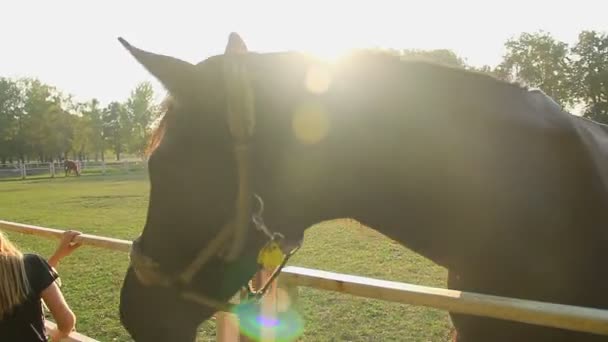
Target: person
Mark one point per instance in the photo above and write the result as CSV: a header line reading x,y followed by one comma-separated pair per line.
x,y
25,281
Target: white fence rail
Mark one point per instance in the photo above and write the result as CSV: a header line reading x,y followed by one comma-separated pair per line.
x,y
526,311
56,169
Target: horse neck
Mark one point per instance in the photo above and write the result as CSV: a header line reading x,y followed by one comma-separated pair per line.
x,y
397,154
355,172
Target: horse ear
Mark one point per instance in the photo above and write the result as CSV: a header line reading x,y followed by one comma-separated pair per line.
x,y
236,45
176,75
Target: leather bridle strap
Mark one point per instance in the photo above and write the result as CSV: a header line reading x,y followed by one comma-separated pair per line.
x,y
241,121
205,254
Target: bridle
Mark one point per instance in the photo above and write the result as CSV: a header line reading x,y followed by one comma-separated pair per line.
x,y
148,271
241,121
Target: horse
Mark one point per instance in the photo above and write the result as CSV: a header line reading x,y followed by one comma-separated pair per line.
x,y
484,177
71,166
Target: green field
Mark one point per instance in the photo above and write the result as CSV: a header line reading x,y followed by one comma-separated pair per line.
x,y
115,205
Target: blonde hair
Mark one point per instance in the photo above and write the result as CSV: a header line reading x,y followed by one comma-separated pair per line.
x,y
14,285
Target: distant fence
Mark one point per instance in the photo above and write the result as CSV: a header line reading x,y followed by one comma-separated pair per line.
x,y
55,169
285,290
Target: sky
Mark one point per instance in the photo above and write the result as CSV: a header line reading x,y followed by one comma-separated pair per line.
x,y
72,44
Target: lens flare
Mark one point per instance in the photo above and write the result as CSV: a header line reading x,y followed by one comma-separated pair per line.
x,y
317,79
286,326
310,123
268,322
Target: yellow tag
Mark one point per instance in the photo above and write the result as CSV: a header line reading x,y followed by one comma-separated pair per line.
x,y
271,255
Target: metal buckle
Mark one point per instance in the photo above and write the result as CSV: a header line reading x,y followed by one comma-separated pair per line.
x,y
258,221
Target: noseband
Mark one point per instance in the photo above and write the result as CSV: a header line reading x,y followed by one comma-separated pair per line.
x,y
241,121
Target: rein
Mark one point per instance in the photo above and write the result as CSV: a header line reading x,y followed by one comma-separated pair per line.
x,y
241,121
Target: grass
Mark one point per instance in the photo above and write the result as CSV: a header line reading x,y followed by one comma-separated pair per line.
x,y
115,205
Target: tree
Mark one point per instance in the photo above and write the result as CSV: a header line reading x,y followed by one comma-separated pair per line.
x,y
92,126
590,74
57,133
39,121
11,112
486,69
36,97
81,142
46,125
538,60
116,127
142,113
440,56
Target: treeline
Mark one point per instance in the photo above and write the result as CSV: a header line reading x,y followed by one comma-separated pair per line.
x,y
574,75
39,122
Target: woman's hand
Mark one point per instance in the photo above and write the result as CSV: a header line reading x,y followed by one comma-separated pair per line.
x,y
66,247
55,335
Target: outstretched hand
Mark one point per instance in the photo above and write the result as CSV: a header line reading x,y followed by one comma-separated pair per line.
x,y
66,247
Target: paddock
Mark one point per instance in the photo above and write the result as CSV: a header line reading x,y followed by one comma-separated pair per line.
x,y
286,287
38,170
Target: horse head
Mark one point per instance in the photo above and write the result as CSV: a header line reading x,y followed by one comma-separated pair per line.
x,y
201,198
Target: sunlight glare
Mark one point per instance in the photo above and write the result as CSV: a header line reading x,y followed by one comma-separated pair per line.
x,y
310,123
288,325
329,54
318,79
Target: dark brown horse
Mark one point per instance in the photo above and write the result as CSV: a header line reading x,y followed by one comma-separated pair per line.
x,y
71,166
488,179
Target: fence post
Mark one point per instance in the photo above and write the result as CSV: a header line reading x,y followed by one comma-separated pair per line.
x,y
227,325
267,308
287,294
23,172
103,167
52,169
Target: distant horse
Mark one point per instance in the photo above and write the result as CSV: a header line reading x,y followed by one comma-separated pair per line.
x,y
492,181
71,166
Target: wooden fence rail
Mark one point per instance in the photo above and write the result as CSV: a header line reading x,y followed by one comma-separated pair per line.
x,y
85,239
526,311
519,310
74,336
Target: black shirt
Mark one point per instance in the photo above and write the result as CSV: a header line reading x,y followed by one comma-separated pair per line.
x,y
26,322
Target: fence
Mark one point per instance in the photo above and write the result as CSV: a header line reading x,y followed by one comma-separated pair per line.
x,y
525,311
55,169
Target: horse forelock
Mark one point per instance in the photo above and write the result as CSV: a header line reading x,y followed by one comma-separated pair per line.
x,y
166,108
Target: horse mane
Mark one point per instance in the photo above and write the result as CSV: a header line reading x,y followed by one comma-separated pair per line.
x,y
471,75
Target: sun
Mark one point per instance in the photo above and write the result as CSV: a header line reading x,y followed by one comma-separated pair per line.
x,y
329,55
326,51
